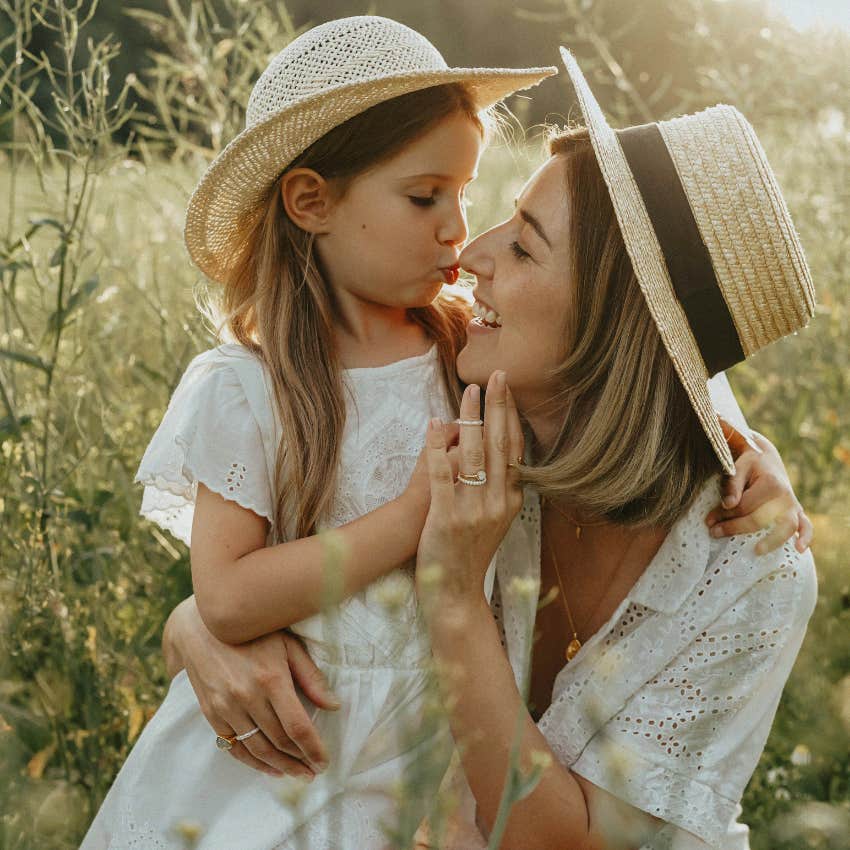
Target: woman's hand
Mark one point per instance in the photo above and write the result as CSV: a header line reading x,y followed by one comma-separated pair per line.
x,y
253,684
466,523
758,495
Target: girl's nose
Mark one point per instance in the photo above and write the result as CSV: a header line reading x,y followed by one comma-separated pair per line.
x,y
454,230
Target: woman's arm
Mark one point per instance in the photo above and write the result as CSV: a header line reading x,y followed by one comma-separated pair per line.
x,y
488,718
245,589
486,712
252,684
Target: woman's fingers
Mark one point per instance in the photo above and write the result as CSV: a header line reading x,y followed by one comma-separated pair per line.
x,y
440,473
516,439
294,722
496,432
805,531
471,437
307,675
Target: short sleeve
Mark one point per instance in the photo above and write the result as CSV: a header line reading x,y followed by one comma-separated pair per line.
x,y
209,434
685,744
725,403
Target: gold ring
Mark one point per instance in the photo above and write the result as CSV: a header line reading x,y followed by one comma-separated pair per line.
x,y
225,742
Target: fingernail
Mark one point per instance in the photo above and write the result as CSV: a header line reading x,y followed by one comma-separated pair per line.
x,y
500,380
729,501
716,531
474,392
320,766
308,775
436,424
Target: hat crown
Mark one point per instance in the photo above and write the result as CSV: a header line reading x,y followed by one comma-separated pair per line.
x,y
364,48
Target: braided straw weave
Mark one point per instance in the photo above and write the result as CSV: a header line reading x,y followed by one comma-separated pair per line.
x,y
744,224
321,79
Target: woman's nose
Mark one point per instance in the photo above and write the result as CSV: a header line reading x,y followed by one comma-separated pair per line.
x,y
475,258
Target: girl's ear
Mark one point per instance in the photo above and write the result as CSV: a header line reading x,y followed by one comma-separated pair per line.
x,y
307,199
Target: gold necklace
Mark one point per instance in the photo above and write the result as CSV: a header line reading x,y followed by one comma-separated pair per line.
x,y
575,644
571,521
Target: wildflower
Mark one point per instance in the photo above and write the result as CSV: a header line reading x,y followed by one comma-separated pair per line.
x,y
189,831
801,756
524,587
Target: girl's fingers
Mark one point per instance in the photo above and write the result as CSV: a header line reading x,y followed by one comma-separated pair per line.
x,y
783,530
440,473
733,486
766,496
471,436
805,531
496,432
765,514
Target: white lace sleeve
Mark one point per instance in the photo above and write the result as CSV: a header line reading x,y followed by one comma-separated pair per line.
x,y
209,435
685,744
725,403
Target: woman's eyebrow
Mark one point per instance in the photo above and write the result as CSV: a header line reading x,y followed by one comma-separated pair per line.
x,y
538,228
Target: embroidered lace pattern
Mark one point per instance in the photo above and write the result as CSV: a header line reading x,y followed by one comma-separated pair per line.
x,y
670,703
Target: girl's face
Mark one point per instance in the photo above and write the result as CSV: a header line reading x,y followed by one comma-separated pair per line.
x,y
522,270
394,237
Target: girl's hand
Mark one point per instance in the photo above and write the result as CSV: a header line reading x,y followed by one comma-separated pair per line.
x,y
466,523
253,684
758,495
418,491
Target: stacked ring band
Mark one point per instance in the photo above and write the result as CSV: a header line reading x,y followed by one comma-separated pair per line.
x,y
225,742
469,421
477,480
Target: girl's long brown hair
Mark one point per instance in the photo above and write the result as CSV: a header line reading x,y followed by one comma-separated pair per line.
x,y
278,304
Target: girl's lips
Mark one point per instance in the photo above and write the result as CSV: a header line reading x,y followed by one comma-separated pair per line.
x,y
451,274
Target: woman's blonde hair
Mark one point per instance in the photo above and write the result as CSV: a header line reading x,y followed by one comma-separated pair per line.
x,y
278,304
630,448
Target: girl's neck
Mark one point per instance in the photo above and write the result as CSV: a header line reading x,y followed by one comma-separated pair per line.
x,y
370,338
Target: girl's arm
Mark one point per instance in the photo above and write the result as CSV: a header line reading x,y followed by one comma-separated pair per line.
x,y
244,589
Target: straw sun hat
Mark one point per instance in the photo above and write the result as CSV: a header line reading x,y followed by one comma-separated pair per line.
x,y
318,81
711,241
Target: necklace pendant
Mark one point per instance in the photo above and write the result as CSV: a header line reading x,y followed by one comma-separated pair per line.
x,y
572,649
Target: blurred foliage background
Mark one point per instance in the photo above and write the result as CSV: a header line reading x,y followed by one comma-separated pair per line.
x,y
109,114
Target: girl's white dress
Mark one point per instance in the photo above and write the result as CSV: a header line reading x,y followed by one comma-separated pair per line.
x,y
387,744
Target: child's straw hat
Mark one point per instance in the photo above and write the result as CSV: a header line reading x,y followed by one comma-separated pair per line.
x,y
710,238
321,79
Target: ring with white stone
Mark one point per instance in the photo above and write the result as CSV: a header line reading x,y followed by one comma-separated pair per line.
x,y
469,421
245,735
477,480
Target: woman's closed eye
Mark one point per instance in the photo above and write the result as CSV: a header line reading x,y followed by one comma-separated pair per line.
x,y
423,201
519,252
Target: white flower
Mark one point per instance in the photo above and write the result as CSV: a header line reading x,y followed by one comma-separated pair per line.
x,y
801,756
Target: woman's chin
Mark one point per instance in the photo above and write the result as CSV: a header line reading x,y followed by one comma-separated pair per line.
x,y
471,369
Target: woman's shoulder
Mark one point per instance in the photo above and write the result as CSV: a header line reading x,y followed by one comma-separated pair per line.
x,y
693,571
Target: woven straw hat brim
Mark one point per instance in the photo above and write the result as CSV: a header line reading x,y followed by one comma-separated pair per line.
x,y
649,264
231,192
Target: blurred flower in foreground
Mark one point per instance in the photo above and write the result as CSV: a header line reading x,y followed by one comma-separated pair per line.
x,y
815,825
189,831
801,756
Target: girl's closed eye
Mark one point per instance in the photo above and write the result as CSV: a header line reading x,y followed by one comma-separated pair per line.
x,y
519,252
423,201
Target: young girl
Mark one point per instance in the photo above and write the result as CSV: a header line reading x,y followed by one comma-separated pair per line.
x,y
332,222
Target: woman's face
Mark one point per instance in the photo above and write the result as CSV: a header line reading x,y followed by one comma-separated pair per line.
x,y
522,271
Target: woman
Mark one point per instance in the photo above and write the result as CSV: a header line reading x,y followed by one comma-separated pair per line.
x,y
607,531
677,647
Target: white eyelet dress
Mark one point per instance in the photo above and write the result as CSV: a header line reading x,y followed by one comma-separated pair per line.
x,y
220,429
